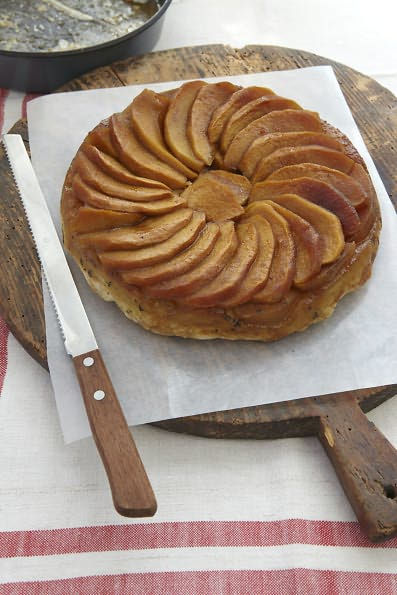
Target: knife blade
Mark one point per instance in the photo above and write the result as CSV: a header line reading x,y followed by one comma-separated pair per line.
x,y
131,490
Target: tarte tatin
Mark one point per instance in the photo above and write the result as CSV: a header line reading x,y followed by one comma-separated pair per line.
x,y
216,211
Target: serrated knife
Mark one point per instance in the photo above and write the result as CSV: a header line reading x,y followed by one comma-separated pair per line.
x,y
131,490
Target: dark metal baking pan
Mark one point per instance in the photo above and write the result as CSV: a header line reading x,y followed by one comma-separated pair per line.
x,y
42,72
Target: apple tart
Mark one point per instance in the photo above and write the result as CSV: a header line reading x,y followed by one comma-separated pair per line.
x,y
215,211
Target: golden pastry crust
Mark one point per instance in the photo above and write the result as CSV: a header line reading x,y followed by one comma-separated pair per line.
x,y
161,219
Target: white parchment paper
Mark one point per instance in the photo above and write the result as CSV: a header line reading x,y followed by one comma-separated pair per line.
x,y
163,377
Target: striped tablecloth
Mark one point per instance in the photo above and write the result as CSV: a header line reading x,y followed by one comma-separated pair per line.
x,y
235,517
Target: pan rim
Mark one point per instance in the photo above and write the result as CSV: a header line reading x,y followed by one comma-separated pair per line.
x,y
92,48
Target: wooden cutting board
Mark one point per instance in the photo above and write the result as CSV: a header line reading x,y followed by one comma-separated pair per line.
x,y
365,461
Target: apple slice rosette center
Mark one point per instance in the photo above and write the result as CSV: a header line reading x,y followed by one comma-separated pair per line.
x,y
219,194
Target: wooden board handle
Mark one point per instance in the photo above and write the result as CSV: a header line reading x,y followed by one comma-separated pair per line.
x,y
131,490
366,464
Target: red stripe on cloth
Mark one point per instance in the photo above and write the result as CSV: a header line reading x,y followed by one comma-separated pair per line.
x,y
184,534
3,97
3,355
28,97
297,581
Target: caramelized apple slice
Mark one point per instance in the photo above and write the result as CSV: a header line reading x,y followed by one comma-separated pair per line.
x,y
280,140
277,122
138,159
232,275
368,213
359,174
183,262
283,121
329,272
148,111
282,270
271,142
258,273
307,244
176,121
151,231
97,179
210,267
239,185
170,93
217,195
116,170
222,114
367,219
324,222
207,100
143,257
90,219
253,110
320,193
343,183
295,155
97,199
100,137
218,160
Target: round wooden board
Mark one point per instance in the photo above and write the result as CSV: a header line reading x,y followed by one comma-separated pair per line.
x,y
374,109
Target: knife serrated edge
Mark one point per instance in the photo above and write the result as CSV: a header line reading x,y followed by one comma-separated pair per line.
x,y
43,276
75,343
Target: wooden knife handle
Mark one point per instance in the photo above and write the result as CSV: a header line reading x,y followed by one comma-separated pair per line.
x,y
366,464
131,490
